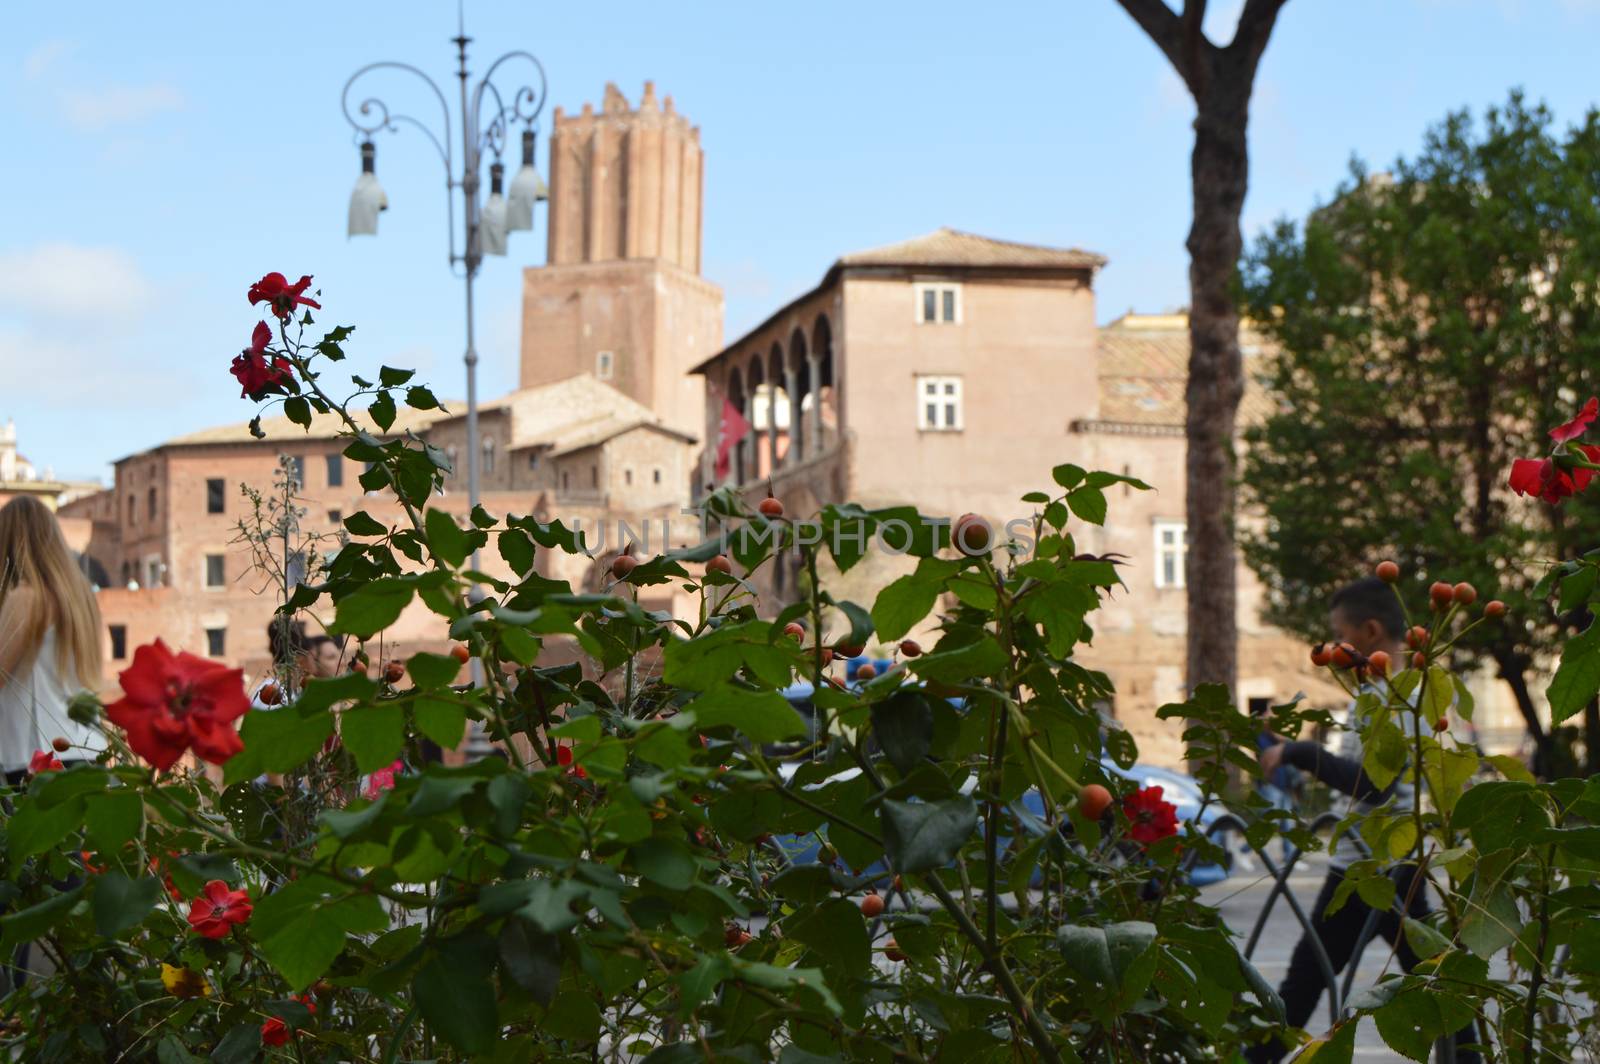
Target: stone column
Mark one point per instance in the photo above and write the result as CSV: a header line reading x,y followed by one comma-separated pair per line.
x,y
792,390
814,430
772,427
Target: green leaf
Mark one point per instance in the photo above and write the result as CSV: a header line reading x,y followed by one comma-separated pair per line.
x,y
921,836
1338,1046
836,932
909,599
1119,958
121,903
372,607
1577,678
374,735
1089,504
390,377
34,829
297,410
455,995
443,722
517,550
903,724
362,523
241,1045
531,958
430,671
112,818
382,411
32,922
1068,476
446,539
304,948
277,741
981,658
762,715
665,862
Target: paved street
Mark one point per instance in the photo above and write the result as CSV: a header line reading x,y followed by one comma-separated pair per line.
x,y
1241,896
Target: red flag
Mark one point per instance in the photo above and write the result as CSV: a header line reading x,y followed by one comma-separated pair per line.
x,y
733,429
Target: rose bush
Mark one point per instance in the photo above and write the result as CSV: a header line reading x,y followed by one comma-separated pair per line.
x,y
621,885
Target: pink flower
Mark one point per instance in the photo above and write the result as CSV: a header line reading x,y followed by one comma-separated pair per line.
x,y
382,780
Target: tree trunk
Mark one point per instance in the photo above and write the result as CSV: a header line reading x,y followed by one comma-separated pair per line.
x,y
1220,167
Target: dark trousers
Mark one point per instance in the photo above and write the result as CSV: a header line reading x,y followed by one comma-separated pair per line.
x,y
1303,985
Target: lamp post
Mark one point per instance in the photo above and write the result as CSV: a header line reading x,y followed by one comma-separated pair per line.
x,y
486,120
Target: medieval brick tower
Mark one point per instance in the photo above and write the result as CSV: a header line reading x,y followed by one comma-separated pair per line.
x,y
621,296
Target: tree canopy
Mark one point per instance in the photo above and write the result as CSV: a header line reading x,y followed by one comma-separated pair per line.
x,y
1431,324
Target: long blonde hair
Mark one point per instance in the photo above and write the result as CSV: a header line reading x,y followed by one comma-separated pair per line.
x,y
34,555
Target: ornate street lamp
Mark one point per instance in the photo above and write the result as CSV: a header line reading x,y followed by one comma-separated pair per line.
x,y
486,119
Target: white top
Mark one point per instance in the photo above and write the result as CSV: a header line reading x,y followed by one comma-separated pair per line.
x,y
33,711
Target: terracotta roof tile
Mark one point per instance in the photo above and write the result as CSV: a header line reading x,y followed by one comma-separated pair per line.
x,y
1144,368
950,247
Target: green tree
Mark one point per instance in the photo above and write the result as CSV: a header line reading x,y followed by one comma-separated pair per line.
x,y
1432,324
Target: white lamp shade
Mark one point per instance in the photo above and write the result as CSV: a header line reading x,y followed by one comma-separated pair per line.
x,y
365,203
492,226
527,188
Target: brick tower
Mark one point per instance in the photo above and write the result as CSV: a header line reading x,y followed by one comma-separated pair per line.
x,y
621,296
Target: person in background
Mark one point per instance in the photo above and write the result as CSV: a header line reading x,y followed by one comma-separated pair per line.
x,y
50,635
1366,615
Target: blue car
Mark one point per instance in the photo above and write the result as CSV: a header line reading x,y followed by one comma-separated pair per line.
x,y
1184,792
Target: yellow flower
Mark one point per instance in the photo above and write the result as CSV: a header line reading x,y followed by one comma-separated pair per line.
x,y
184,983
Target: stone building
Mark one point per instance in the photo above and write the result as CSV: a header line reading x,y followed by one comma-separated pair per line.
x,y
18,476
953,372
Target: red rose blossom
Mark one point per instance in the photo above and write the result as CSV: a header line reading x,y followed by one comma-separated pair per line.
x,y
275,1032
1152,818
1545,479
382,780
564,757
44,761
216,909
1578,425
172,702
275,290
257,376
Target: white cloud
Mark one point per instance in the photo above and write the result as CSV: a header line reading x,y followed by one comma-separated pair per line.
x,y
73,281
118,105
44,56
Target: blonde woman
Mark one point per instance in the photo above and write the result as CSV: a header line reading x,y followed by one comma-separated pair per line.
x,y
49,639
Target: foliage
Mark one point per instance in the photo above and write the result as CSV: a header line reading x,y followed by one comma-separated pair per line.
x,y
1427,325
630,881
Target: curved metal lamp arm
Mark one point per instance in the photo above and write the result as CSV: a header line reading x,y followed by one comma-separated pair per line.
x,y
527,103
384,119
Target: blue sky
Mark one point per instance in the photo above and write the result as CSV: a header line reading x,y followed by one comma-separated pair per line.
x,y
161,157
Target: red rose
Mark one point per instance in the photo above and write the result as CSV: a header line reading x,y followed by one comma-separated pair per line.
x,y
275,1032
216,909
1578,425
43,761
258,377
1152,818
1545,479
382,780
275,290
564,757
172,702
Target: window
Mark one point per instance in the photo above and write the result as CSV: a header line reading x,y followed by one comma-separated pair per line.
x,y
335,470
133,510
655,476
533,459
566,480
627,477
1172,547
215,492
216,642
1260,707
938,304
939,404
216,570
488,455
119,642
594,476
152,498
602,365
152,572
335,517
